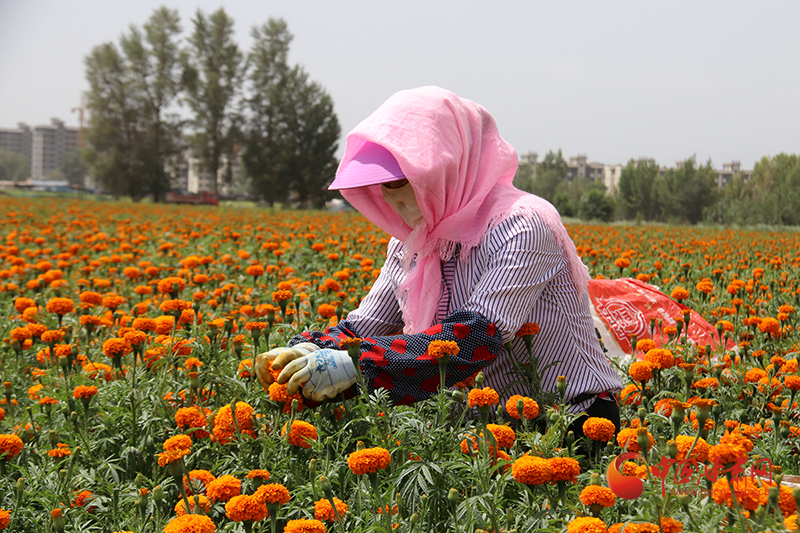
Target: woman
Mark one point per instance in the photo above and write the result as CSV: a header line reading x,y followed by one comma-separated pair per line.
x,y
471,259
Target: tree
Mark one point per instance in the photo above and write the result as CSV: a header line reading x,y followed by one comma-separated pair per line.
x,y
635,193
292,130
74,169
214,70
685,192
132,131
523,179
595,205
14,167
551,172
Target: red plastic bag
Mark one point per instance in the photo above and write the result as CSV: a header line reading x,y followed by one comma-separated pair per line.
x,y
625,307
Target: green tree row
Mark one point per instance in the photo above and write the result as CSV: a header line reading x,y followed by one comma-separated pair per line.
x,y
254,107
687,194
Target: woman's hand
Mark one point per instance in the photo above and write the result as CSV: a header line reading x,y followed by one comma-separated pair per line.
x,y
321,374
277,358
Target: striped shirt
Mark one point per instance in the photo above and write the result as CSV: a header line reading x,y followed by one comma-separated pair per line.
x,y
517,274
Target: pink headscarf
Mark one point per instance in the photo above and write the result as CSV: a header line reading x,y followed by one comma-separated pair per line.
x,y
461,172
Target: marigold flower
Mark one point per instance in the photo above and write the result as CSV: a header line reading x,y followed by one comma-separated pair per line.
x,y
304,526
595,494
204,504
627,439
171,456
60,306
245,508
530,409
599,429
485,397
21,304
748,495
504,435
273,493
223,421
564,468
10,446
641,370
178,442
223,488
586,524
528,328
168,285
670,525
301,433
368,460
258,474
531,470
190,523
439,349
679,294
61,450
280,296
324,511
769,325
84,391
116,347
684,442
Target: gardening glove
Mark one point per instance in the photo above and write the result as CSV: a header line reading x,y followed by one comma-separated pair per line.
x,y
279,357
321,374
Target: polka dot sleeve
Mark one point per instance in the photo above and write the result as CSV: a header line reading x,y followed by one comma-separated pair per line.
x,y
401,364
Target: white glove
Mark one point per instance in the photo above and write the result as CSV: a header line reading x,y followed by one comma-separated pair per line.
x,y
325,374
279,357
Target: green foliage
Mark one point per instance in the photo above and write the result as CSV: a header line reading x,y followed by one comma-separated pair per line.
x,y
14,166
214,72
595,205
523,179
74,169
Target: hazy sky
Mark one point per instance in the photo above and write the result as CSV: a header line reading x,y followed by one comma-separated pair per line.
x,y
614,80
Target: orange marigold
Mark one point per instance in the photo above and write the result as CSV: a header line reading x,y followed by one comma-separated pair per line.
x,y
60,306
564,468
504,435
586,524
258,474
190,523
530,408
178,442
223,488
61,450
243,508
660,357
10,446
641,370
84,391
628,435
528,328
439,349
280,296
368,460
684,442
598,428
595,494
485,397
170,284
273,493
197,481
304,526
531,470
749,495
204,504
301,433
324,511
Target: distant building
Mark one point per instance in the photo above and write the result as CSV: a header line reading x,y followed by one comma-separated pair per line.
x,y
611,175
19,140
50,144
579,167
186,173
729,170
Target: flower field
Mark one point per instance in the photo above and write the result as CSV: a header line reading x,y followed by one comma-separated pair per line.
x,y
130,403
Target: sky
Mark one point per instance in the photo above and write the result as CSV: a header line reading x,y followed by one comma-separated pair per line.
x,y
613,80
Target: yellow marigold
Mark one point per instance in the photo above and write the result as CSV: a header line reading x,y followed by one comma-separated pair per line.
x,y
368,460
204,504
304,526
641,370
301,433
485,397
324,511
10,446
197,481
530,408
564,468
60,306
684,442
504,435
84,391
595,494
586,524
242,508
528,328
223,488
190,523
598,428
531,470
660,357
439,349
273,493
